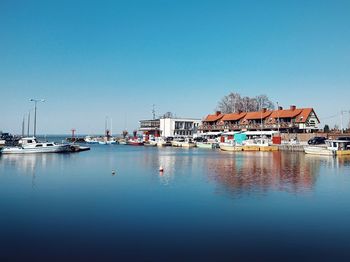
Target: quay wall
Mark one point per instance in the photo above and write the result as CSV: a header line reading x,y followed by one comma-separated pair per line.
x,y
293,148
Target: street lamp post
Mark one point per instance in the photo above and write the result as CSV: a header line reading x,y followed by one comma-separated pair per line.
x,y
278,117
35,102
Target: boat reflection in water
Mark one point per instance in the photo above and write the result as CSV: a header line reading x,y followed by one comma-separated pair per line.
x,y
261,172
248,172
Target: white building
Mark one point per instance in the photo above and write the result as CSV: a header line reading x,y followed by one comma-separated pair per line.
x,y
170,127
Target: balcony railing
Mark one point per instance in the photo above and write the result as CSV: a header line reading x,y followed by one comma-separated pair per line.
x,y
283,125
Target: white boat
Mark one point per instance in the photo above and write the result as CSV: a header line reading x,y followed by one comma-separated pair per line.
x,y
30,145
152,142
318,150
91,140
107,142
332,148
2,142
183,143
163,142
257,142
230,146
207,145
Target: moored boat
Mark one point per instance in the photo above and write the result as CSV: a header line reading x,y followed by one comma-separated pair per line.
x,y
206,145
30,145
333,148
91,140
134,142
232,147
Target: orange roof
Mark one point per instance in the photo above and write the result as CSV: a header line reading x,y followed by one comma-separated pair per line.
x,y
233,116
213,118
305,114
286,113
257,115
300,114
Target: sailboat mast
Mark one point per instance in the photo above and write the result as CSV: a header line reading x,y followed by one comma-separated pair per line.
x,y
106,126
111,127
28,124
23,126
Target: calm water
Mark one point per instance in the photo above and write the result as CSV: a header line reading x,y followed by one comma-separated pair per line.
x,y
207,205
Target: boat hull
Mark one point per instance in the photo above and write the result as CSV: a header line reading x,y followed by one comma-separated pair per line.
x,y
182,144
206,145
314,150
230,148
20,150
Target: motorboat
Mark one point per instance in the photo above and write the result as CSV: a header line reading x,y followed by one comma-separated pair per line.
x,y
207,145
91,140
333,147
107,142
134,142
30,145
78,148
230,146
163,142
259,144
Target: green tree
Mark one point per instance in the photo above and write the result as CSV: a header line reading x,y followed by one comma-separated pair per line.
x,y
326,129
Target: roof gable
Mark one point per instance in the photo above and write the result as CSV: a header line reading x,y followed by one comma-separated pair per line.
x,y
304,115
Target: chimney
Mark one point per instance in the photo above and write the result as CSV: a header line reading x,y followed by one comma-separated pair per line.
x,y
217,113
293,107
264,110
239,111
280,108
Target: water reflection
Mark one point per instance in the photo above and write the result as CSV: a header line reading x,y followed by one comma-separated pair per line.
x,y
29,162
231,173
247,172
260,172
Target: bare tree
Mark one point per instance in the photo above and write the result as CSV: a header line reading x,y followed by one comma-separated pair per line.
x,y
233,102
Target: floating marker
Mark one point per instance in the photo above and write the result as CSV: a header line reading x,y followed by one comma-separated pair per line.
x,y
113,172
161,169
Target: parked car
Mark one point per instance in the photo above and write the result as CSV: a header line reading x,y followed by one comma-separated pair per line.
x,y
317,140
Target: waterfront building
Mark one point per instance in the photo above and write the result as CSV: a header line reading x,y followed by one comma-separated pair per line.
x,y
292,120
170,127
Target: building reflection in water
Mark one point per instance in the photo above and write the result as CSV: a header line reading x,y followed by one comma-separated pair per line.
x,y
245,172
258,172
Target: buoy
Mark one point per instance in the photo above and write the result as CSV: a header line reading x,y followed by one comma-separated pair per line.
x,y
113,172
161,169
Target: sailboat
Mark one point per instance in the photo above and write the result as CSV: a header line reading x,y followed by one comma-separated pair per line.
x,y
107,139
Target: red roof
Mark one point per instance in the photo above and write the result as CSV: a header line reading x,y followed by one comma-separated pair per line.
x,y
257,115
286,113
233,116
305,114
213,118
299,114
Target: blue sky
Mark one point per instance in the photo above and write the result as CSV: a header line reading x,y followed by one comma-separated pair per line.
x,y
92,59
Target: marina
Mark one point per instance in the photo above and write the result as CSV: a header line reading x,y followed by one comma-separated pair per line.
x,y
185,131
114,186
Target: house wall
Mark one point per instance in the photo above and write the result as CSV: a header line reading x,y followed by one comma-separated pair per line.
x,y
167,126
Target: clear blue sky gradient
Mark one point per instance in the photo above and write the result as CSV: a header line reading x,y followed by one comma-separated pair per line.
x,y
91,59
